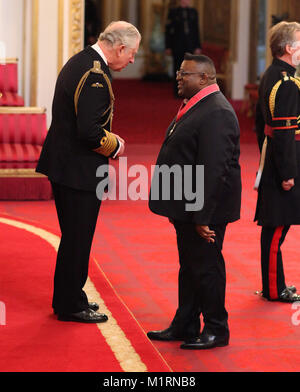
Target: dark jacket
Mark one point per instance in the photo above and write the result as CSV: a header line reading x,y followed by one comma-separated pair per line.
x,y
276,207
182,30
67,156
208,134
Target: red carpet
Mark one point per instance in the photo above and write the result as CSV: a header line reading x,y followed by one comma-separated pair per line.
x,y
32,339
137,252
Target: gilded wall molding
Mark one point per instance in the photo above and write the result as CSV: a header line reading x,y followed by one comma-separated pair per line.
x,y
24,47
76,23
234,16
60,35
34,52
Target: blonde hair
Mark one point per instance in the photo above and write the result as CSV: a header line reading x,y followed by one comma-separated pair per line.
x,y
282,34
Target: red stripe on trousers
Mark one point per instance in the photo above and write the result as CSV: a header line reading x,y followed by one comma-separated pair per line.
x,y
273,262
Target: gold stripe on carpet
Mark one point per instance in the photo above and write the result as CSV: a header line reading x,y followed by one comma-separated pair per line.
x,y
128,358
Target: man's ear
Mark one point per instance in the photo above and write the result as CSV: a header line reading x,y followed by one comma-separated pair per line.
x,y
203,79
289,49
120,50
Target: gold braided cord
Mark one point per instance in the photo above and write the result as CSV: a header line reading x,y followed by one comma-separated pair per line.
x,y
274,91
297,81
272,100
96,69
272,97
79,88
112,100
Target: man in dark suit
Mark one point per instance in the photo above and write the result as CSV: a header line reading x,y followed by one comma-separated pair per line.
x,y
205,133
182,34
78,142
277,127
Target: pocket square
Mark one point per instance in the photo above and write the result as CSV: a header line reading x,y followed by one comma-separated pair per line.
x,y
97,85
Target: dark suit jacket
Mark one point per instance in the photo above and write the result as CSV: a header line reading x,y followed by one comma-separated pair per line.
x,y
182,30
67,156
208,134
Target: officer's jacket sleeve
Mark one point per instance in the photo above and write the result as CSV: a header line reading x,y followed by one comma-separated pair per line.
x,y
284,124
259,126
93,102
218,150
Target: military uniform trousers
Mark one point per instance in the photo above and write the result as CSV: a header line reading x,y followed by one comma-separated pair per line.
x,y
77,212
273,280
202,282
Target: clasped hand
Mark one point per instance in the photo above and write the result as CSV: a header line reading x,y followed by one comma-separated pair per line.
x,y
288,185
206,233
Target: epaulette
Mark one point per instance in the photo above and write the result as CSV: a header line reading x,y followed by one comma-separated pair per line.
x,y
284,78
96,68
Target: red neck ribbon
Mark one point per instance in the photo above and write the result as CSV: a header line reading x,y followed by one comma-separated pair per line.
x,y
196,98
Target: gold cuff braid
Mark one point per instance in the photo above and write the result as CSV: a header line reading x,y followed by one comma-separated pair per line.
x,y
108,144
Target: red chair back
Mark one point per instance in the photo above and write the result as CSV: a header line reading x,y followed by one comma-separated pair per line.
x,y
9,76
23,125
217,53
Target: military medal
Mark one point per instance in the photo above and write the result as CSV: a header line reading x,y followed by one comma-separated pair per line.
x,y
172,129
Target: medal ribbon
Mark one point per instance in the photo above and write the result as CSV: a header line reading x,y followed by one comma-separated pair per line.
x,y
195,99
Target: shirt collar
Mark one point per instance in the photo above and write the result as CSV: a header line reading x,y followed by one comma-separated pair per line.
x,y
100,52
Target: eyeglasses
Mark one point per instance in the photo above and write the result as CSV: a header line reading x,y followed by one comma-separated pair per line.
x,y
185,73
182,73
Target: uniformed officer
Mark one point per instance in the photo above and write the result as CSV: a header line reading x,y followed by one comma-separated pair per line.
x,y
78,142
277,127
182,34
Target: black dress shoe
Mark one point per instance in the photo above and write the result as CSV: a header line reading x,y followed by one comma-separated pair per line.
x,y
85,316
92,305
166,335
205,342
292,289
288,296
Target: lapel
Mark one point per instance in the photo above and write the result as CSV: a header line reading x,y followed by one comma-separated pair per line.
x,y
175,125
